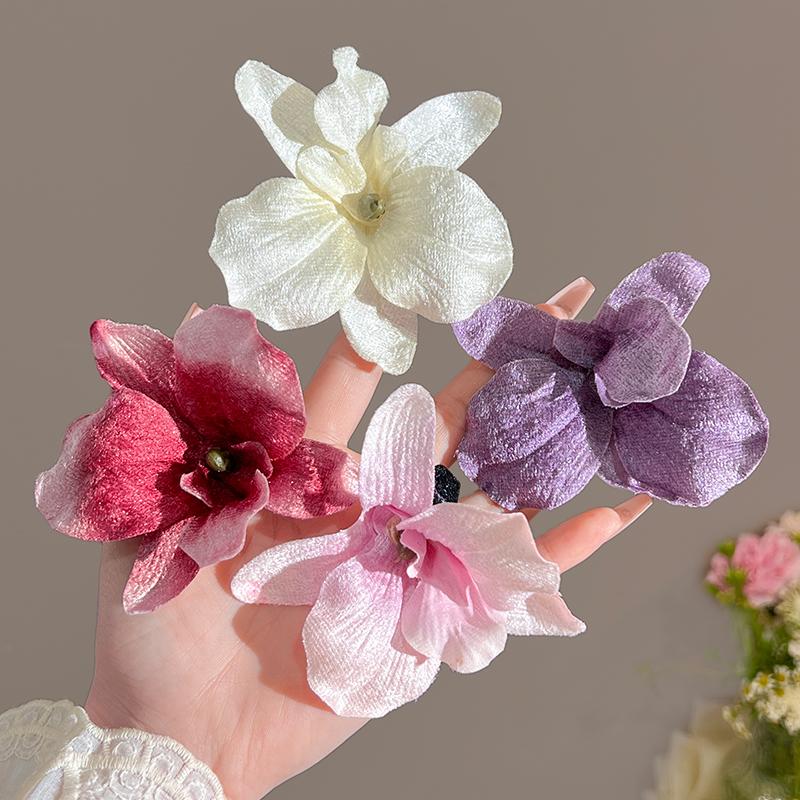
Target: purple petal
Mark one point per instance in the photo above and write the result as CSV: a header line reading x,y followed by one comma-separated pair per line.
x,y
161,571
397,466
219,533
691,447
358,660
506,330
582,343
292,573
118,474
314,480
648,358
535,435
674,278
135,357
234,385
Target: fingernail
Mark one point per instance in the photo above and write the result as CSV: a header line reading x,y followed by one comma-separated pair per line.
x,y
193,311
572,298
632,509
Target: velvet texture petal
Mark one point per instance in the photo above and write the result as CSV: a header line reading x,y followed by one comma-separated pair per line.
x,y
161,571
447,130
648,358
349,108
286,254
521,465
118,473
358,661
443,248
335,174
314,480
292,573
506,330
397,457
283,109
538,614
691,447
674,278
234,385
378,330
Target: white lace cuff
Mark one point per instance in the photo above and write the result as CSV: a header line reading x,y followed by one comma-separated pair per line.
x,y
53,751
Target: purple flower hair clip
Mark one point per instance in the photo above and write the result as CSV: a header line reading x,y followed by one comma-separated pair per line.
x,y
623,396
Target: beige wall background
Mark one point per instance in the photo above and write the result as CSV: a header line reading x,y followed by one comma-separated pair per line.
x,y
629,128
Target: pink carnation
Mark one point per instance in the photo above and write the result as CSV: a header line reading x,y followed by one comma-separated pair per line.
x,y
770,563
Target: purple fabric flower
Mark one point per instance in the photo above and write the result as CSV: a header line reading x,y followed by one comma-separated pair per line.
x,y
623,396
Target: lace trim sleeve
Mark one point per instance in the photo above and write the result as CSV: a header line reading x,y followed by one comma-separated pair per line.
x,y
53,751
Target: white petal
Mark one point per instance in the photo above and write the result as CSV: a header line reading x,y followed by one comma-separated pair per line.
x,y
358,661
286,254
283,109
397,456
442,248
333,173
292,573
447,130
378,330
541,615
382,154
347,109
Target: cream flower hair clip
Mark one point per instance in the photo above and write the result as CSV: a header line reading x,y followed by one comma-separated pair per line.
x,y
378,224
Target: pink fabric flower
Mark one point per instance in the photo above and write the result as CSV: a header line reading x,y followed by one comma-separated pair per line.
x,y
197,436
770,563
410,584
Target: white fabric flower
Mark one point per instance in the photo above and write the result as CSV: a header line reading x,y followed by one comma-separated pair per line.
x,y
378,224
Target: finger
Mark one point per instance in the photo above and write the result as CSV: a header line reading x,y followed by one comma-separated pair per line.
x,y
480,500
339,393
452,401
193,311
576,539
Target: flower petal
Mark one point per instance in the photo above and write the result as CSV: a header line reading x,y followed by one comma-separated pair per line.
x,y
444,616
161,571
349,108
314,480
233,384
674,278
648,357
219,534
442,248
539,614
378,330
581,343
358,661
691,447
118,474
135,357
292,573
397,456
535,435
506,330
286,254
283,109
335,174
447,130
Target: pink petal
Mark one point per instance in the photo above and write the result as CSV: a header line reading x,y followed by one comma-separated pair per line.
x,y
118,474
135,357
314,480
219,534
161,571
538,614
233,384
397,457
292,573
358,661
445,617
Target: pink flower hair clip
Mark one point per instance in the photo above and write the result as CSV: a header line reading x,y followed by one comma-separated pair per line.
x,y
198,435
413,582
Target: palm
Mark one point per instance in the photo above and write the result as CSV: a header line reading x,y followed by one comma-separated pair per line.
x,y
229,681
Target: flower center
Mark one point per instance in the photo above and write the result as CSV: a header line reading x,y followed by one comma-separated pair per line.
x,y
370,207
218,459
403,553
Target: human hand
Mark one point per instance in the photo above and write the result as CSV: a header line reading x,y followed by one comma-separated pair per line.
x,y
229,681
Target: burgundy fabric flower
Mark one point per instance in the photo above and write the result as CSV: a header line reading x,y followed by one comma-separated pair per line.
x,y
197,436
624,396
